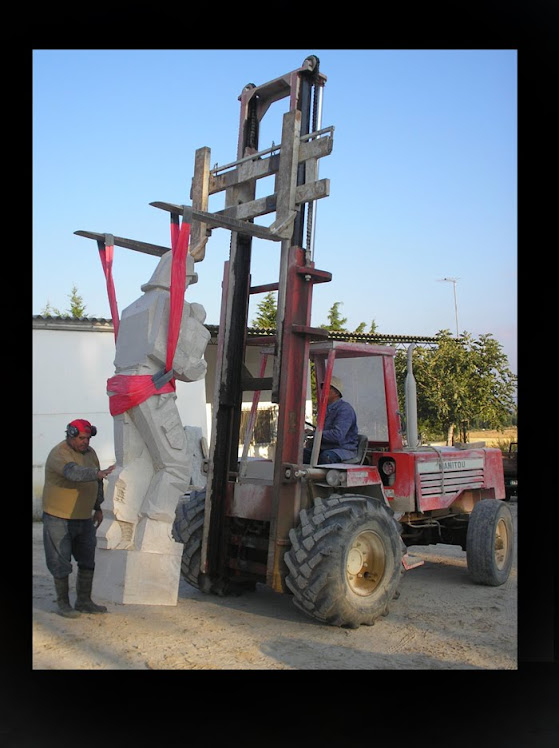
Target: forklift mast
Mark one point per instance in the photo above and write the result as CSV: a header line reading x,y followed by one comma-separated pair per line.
x,y
276,499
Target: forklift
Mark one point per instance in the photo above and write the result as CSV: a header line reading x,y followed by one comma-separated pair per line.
x,y
334,536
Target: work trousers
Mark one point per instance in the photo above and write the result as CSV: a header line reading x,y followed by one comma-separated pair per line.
x,y
325,457
64,538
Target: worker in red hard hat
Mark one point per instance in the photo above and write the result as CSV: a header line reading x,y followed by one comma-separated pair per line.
x,y
340,433
72,498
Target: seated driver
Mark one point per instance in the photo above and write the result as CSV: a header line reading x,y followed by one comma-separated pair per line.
x,y
340,436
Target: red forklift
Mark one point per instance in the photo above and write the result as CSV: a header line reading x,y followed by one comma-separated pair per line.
x,y
334,536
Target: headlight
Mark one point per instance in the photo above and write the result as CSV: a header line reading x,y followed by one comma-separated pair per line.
x,y
388,467
333,477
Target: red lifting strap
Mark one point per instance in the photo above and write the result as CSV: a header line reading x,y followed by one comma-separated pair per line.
x,y
106,252
131,390
178,286
127,391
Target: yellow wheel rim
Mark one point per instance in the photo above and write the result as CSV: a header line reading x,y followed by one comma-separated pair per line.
x,y
365,563
502,542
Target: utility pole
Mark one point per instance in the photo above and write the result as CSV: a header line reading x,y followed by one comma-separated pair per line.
x,y
453,281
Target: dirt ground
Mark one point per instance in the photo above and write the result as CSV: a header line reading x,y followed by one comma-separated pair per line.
x,y
441,621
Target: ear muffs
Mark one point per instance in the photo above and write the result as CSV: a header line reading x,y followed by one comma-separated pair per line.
x,y
73,431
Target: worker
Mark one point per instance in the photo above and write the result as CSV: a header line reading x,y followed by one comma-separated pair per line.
x,y
339,435
72,498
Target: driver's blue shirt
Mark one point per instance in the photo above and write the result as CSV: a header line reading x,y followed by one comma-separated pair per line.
x,y
340,430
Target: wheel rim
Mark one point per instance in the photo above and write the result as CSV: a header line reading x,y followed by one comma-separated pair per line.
x,y
502,542
365,563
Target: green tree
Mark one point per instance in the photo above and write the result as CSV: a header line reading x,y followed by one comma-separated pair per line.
x,y
267,311
460,381
361,327
50,311
77,307
335,320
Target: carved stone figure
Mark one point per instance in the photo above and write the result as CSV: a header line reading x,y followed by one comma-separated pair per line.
x,y
153,462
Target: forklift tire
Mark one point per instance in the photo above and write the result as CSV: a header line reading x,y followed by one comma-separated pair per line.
x,y
489,542
345,560
187,529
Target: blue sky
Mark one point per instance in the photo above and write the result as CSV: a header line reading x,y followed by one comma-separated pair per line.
x,y
423,178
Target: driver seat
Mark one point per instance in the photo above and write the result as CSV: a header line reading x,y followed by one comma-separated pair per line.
x,y
362,445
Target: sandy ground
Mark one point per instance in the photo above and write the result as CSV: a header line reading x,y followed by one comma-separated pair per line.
x,y
441,621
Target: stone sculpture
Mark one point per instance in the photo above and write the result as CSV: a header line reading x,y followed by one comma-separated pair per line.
x,y
153,461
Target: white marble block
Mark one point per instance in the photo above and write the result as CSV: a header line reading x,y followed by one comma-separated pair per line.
x,y
137,577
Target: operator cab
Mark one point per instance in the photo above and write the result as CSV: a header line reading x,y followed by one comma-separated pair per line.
x,y
367,372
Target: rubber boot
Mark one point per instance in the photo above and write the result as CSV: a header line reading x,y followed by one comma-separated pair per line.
x,y
64,607
84,603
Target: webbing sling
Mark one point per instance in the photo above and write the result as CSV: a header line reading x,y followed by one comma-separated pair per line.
x,y
106,252
127,390
178,285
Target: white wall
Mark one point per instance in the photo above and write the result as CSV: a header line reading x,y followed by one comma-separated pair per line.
x,y
70,372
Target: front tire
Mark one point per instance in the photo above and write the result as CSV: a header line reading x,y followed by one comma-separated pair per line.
x,y
345,561
489,542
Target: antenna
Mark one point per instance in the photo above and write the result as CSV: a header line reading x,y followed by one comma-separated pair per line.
x,y
453,281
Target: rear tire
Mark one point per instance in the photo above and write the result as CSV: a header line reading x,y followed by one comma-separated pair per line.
x,y
489,542
345,561
187,529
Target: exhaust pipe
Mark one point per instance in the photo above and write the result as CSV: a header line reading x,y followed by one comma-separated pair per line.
x,y
411,403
